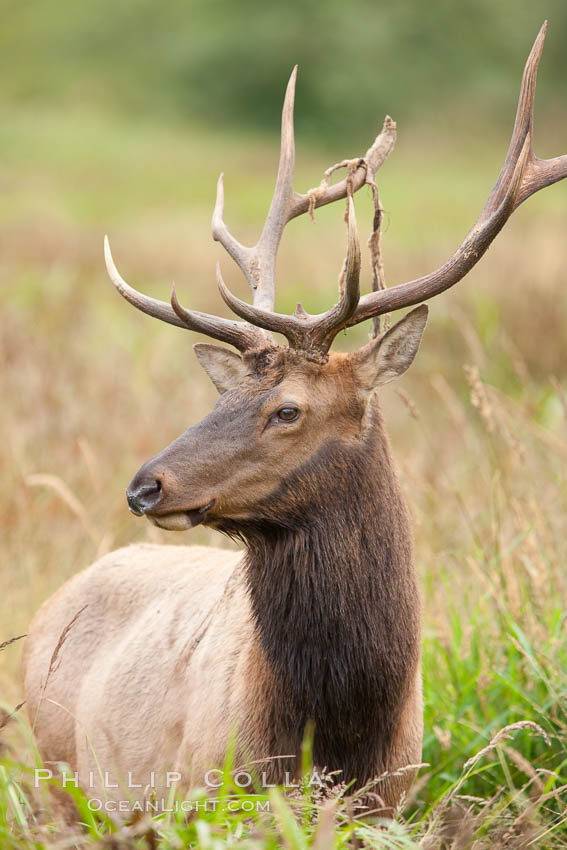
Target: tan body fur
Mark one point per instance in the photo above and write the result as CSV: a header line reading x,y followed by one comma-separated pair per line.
x,y
156,669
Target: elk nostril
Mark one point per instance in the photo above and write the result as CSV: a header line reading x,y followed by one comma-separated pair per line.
x,y
144,498
133,504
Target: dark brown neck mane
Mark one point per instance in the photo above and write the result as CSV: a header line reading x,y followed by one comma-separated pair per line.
x,y
336,606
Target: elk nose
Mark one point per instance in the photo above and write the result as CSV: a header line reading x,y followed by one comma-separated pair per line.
x,y
144,497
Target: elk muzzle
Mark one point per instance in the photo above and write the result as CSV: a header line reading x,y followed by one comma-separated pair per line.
x,y
177,488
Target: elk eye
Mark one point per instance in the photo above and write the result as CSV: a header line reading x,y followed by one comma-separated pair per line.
x,y
288,414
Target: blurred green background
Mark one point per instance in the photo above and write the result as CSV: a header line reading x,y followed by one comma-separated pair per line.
x,y
224,63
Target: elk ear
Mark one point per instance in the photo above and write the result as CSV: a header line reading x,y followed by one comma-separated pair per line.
x,y
224,367
391,354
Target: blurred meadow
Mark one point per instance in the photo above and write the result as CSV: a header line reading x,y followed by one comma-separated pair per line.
x,y
117,118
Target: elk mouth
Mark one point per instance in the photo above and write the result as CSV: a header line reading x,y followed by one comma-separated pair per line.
x,y
181,520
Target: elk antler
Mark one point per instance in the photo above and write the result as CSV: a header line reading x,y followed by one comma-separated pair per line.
x,y
522,174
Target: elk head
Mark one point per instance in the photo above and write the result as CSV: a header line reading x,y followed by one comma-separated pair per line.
x,y
282,405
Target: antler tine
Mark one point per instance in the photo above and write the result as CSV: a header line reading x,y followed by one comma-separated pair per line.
x,y
278,214
237,334
521,175
239,253
241,336
259,263
337,317
372,160
266,319
151,306
539,173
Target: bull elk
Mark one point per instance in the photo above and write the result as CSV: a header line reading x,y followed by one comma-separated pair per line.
x,y
175,648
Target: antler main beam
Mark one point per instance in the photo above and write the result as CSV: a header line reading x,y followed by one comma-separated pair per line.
x,y
522,174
